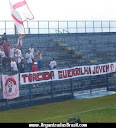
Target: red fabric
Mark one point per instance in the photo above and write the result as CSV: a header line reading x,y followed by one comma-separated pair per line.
x,y
19,4
6,47
34,68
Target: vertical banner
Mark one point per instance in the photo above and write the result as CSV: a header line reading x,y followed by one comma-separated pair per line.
x,y
10,86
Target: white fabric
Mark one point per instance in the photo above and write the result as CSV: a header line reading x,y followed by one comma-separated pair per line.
x,y
19,52
32,51
19,26
10,86
67,73
2,54
19,42
14,65
17,58
12,52
52,64
29,57
23,10
41,56
20,13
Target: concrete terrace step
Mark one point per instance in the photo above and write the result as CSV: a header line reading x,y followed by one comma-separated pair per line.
x,y
78,52
69,48
93,61
62,44
85,46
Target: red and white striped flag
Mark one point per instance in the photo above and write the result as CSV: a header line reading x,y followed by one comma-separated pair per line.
x,y
20,13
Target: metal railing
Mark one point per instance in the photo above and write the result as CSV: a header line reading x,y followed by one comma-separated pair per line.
x,y
49,27
60,90
55,91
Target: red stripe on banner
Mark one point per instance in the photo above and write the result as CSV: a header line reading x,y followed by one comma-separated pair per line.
x,y
19,4
20,22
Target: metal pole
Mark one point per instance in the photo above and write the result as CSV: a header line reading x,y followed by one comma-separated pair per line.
x,y
5,26
28,28
30,93
93,27
38,27
58,27
48,28
71,84
7,105
67,26
90,85
107,82
101,27
109,26
15,29
52,91
85,27
76,27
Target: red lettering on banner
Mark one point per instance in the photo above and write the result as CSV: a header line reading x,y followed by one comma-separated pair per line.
x,y
38,78
101,69
97,69
107,68
81,72
64,74
87,70
24,77
69,73
52,74
77,71
73,72
104,68
30,78
34,77
46,75
60,74
112,67
94,71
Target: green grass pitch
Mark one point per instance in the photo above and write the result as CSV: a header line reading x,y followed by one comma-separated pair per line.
x,y
95,110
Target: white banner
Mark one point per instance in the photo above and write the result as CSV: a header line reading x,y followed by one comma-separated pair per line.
x,y
68,73
10,86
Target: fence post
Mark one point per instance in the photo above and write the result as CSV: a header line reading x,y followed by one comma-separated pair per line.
x,y
7,105
107,82
52,91
71,84
30,93
90,84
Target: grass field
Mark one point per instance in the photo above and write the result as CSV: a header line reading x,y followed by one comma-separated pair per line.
x,y
101,110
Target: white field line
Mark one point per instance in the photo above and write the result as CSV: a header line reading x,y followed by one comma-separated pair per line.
x,y
71,114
